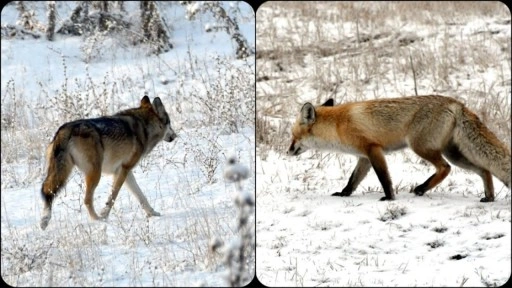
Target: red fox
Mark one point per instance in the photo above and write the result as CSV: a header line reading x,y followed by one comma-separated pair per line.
x,y
432,126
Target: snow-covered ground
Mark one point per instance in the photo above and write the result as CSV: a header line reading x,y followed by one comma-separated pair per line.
x,y
365,50
210,99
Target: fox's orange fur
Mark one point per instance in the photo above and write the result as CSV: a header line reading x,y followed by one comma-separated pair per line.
x,y
432,126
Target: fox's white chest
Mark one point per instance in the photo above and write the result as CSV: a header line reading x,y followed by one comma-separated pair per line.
x,y
329,145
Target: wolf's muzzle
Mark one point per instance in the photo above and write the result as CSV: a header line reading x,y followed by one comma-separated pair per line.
x,y
169,137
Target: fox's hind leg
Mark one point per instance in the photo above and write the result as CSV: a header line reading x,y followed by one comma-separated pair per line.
x,y
442,170
456,157
135,189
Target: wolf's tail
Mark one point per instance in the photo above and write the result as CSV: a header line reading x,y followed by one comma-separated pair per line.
x,y
59,164
481,146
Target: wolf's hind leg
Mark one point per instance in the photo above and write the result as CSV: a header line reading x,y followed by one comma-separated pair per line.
x,y
91,182
45,217
87,153
135,189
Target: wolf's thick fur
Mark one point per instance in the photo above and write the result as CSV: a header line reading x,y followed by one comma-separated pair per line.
x,y
111,145
432,126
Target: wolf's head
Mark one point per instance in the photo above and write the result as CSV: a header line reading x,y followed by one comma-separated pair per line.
x,y
165,121
301,130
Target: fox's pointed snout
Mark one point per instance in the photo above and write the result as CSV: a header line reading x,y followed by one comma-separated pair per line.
x,y
294,149
291,150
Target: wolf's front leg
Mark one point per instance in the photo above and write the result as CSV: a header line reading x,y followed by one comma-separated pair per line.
x,y
106,210
118,182
135,189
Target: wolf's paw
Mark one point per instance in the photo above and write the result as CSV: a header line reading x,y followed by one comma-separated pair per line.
x,y
104,213
45,218
485,199
153,213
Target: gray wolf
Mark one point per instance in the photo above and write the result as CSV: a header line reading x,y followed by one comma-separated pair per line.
x,y
110,145
432,126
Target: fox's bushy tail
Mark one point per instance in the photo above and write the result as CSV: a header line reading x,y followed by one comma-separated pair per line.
x,y
481,146
59,163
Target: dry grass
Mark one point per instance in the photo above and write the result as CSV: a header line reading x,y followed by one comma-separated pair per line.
x,y
426,12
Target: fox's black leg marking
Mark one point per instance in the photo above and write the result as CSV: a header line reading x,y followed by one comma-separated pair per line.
x,y
421,189
362,168
381,169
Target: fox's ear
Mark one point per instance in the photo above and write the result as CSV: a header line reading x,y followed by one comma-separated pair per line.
x,y
145,101
307,114
329,103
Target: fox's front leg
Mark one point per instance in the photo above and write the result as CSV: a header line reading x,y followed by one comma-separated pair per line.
x,y
376,157
362,168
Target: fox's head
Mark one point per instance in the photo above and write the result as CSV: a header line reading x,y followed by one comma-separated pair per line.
x,y
301,130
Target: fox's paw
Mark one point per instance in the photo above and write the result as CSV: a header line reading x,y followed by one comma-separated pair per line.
x,y
485,199
419,191
343,193
385,198
340,194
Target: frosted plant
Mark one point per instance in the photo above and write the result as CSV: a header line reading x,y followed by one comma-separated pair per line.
x,y
239,252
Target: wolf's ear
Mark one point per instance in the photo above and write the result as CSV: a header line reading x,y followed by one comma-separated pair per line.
x,y
158,106
307,114
145,101
329,103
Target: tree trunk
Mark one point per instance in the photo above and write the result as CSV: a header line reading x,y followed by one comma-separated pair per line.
x,y
229,25
104,9
152,27
50,28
